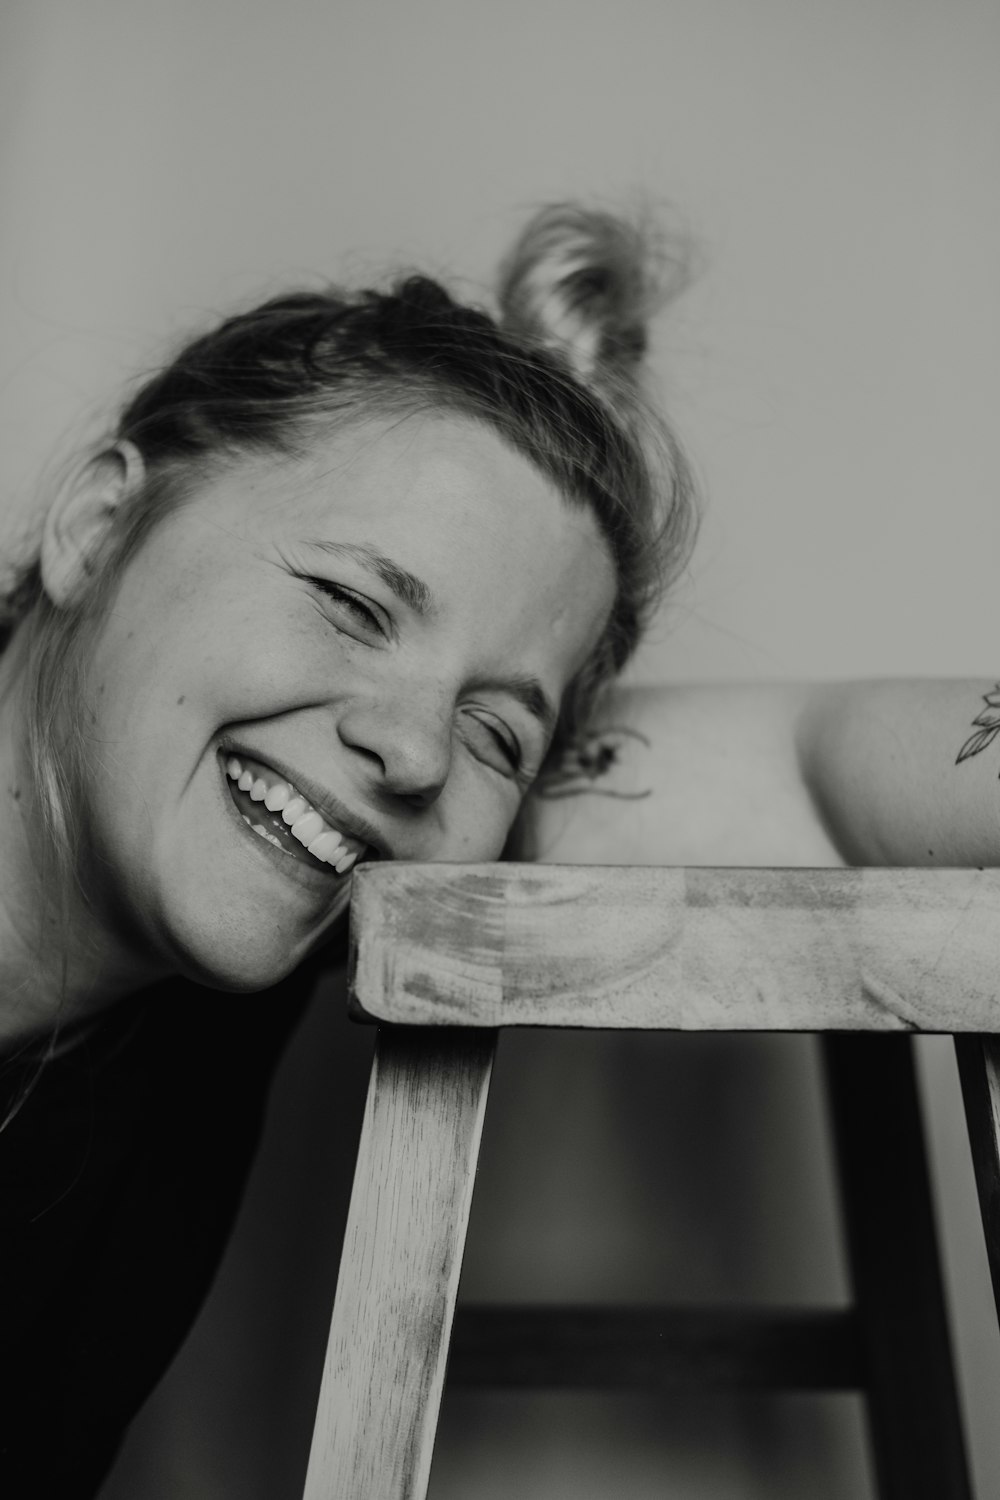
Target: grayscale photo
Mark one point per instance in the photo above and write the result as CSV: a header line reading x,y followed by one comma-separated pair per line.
x,y
499,750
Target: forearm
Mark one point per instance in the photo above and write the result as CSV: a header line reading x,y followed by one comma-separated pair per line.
x,y
881,761
781,774
685,775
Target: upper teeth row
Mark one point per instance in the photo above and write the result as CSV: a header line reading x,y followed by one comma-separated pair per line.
x,y
304,822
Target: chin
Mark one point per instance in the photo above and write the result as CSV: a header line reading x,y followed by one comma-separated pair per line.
x,y
243,959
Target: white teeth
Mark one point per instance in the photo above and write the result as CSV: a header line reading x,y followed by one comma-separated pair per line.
x,y
264,833
307,827
276,796
327,846
293,810
323,842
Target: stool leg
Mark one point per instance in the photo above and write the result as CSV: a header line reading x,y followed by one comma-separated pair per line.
x,y
912,1402
979,1070
389,1336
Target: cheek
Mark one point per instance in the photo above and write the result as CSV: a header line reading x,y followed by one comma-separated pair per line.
x,y
217,655
479,815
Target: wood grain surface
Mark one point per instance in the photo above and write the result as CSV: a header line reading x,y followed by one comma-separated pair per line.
x,y
385,1361
678,948
979,1070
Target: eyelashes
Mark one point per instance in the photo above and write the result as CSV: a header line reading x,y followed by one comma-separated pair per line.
x,y
353,603
496,736
488,736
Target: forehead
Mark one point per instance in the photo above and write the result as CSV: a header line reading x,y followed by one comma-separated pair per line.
x,y
441,469
453,504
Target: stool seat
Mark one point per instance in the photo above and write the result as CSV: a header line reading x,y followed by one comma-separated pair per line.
x,y
444,955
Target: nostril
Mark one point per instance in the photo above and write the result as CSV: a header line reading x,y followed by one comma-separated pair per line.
x,y
405,743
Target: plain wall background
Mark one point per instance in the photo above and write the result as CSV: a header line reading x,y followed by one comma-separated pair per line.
x,y
834,373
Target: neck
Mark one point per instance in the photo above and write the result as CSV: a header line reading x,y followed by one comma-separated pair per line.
x,y
58,965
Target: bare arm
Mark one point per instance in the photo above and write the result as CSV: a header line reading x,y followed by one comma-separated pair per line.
x,y
906,773
855,773
686,776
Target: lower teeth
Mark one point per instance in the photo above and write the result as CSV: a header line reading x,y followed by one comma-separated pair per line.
x,y
259,828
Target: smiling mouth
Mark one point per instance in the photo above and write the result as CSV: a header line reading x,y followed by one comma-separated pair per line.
x,y
276,811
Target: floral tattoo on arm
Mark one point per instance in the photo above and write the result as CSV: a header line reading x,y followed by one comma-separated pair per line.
x,y
987,723
589,759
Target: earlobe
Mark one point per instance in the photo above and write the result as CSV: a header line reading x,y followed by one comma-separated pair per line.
x,y
82,516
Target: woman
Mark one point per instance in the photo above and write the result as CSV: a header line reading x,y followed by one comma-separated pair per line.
x,y
348,574
346,581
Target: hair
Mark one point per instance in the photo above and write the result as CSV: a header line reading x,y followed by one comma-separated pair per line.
x,y
557,373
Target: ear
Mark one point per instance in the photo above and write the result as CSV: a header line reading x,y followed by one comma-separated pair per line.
x,y
81,518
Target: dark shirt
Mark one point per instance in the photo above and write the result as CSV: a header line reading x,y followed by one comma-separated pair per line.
x,y
120,1177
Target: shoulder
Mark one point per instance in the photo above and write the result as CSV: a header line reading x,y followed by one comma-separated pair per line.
x,y
686,774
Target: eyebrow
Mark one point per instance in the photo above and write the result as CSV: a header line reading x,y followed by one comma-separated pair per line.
x,y
412,591
531,695
527,691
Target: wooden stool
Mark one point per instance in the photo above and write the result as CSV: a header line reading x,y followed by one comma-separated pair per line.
x,y
447,954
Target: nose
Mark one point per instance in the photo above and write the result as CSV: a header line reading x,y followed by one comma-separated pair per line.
x,y
403,744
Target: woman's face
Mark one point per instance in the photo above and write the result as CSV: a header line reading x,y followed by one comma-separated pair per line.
x,y
351,653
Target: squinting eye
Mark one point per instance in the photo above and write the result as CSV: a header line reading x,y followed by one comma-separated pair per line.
x,y
494,744
353,603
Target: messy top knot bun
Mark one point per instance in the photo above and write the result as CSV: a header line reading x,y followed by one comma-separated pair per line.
x,y
586,284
